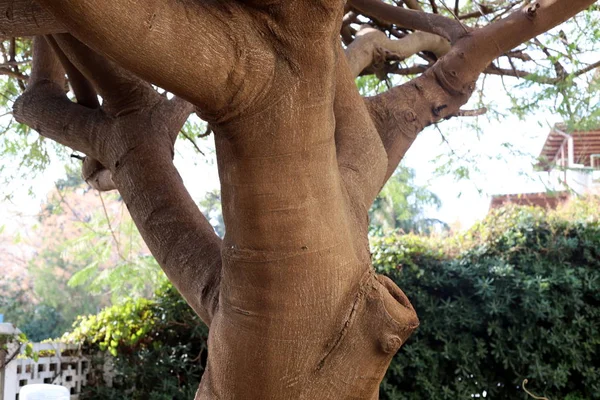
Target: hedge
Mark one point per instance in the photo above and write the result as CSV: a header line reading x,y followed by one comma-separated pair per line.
x,y
516,297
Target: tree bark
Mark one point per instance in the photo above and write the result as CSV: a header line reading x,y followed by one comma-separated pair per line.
x,y
26,18
371,46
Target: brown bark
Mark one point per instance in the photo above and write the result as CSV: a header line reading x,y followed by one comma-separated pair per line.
x,y
294,307
372,46
26,18
402,112
432,23
92,171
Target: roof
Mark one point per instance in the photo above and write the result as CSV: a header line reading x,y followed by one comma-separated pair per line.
x,y
543,199
585,143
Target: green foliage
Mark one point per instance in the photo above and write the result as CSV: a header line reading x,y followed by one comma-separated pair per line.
x,y
370,85
24,348
43,306
44,322
115,327
211,208
158,345
517,297
108,251
401,205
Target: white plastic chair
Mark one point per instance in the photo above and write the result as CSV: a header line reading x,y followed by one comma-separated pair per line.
x,y
41,391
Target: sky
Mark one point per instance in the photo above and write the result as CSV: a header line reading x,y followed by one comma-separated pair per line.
x,y
494,168
501,170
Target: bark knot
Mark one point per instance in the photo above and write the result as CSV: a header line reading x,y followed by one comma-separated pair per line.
x,y
390,344
410,116
531,10
436,110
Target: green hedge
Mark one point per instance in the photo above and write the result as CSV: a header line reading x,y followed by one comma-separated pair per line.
x,y
517,297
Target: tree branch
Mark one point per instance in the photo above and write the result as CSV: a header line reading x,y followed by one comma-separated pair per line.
x,y
432,23
121,91
402,112
45,107
82,88
137,147
143,35
372,46
360,154
13,74
178,235
92,171
459,69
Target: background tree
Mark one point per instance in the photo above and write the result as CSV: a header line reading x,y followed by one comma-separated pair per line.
x,y
402,204
294,307
82,254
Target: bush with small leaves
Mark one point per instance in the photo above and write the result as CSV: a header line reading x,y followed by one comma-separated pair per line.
x,y
517,297
150,342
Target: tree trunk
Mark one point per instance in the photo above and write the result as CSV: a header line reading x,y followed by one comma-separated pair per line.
x,y
294,306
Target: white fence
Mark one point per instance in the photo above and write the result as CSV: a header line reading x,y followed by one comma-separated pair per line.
x,y
58,364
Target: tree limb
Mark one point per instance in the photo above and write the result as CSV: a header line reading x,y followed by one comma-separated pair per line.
x,y
459,69
360,154
45,107
432,23
371,46
82,88
402,112
178,235
121,91
13,74
143,35
137,148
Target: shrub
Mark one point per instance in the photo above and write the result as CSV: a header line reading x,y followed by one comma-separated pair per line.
x,y
158,348
520,300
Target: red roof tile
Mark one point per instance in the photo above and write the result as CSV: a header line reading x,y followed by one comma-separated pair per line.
x,y
544,199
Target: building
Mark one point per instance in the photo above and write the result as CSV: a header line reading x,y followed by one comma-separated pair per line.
x,y
572,162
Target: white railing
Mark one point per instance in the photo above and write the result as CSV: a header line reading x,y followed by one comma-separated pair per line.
x,y
58,364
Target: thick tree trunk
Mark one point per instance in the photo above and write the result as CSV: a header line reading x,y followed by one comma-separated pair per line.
x,y
294,307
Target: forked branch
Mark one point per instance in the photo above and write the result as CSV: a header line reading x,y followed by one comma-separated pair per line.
x,y
143,35
45,107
